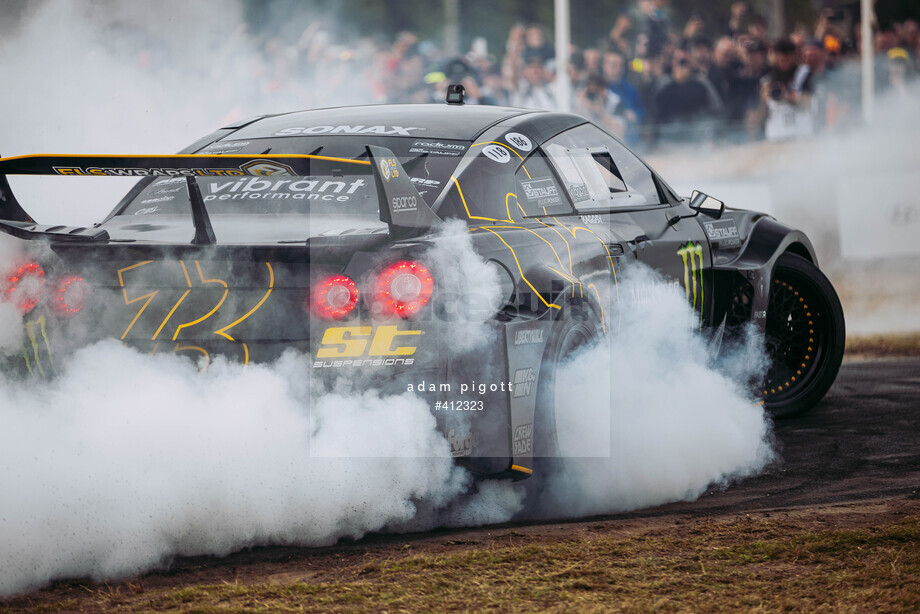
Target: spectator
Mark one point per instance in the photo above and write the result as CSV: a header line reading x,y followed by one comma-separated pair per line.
x,y
787,106
600,105
532,90
737,21
684,105
723,70
650,20
743,103
536,45
615,76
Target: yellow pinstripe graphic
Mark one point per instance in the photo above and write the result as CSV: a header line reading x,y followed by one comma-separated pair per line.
x,y
124,291
519,268
568,249
476,217
207,357
600,304
271,285
171,312
213,311
521,469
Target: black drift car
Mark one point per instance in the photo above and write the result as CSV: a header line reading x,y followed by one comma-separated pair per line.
x,y
310,230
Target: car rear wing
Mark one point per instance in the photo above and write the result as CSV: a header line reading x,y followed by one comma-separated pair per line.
x,y
401,206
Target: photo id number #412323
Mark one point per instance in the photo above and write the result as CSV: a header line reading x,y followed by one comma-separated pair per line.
x,y
458,405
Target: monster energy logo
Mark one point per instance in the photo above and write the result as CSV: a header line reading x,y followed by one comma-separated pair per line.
x,y
692,255
34,328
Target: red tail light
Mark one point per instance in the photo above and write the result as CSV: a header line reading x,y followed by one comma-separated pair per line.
x,y
24,286
70,294
335,297
403,288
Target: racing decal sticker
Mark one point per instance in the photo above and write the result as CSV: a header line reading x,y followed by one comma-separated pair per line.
x,y
299,189
263,168
34,329
355,341
723,233
542,190
388,168
95,171
497,153
528,336
692,256
461,444
523,439
579,192
591,219
523,382
225,147
437,148
519,141
381,130
401,204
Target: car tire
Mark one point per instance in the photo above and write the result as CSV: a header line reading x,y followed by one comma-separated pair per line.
x,y
576,329
805,337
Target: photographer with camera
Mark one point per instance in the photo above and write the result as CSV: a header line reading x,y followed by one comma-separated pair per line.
x,y
786,100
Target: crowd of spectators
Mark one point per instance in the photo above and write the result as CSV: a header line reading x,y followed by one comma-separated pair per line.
x,y
651,81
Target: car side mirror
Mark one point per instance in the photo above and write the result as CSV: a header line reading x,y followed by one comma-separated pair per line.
x,y
704,203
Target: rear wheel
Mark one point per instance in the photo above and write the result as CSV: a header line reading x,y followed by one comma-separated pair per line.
x,y
576,331
805,337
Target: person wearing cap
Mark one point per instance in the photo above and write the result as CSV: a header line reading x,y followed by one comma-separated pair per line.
x,y
899,74
743,101
786,104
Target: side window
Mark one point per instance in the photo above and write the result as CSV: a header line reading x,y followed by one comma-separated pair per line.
x,y
600,172
537,190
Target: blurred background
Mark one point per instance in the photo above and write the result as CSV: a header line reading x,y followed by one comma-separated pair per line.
x,y
784,106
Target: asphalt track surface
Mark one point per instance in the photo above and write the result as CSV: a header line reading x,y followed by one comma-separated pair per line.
x,y
862,441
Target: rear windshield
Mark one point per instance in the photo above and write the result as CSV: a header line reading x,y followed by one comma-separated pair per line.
x,y
429,162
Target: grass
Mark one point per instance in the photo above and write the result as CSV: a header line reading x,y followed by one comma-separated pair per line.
x,y
749,564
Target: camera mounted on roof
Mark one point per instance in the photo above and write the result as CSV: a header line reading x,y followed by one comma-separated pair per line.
x,y
455,93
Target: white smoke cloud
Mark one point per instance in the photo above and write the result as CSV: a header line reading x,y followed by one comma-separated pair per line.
x,y
126,460
468,288
661,423
10,316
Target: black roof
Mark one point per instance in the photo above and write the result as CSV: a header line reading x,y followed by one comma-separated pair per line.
x,y
463,122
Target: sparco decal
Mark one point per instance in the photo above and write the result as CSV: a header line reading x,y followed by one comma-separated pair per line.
x,y
383,130
147,172
723,233
692,256
404,203
528,336
352,341
523,439
523,382
295,189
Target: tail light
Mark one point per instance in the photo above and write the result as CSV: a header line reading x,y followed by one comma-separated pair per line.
x,y
70,294
403,288
335,297
25,286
